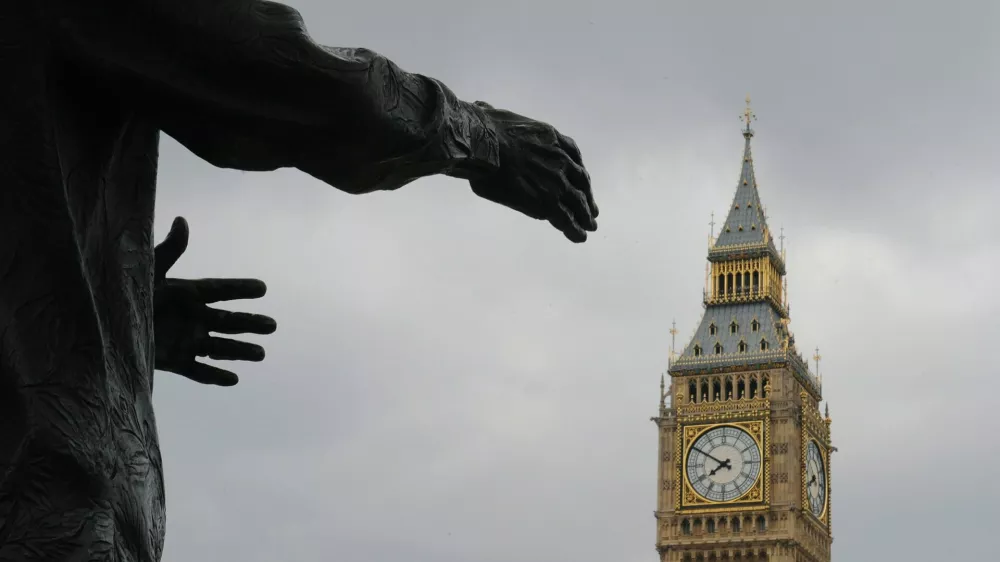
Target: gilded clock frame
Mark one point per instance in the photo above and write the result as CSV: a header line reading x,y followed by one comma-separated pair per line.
x,y
824,453
815,428
757,497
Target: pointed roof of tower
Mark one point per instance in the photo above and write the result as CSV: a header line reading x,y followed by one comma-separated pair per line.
x,y
745,229
744,331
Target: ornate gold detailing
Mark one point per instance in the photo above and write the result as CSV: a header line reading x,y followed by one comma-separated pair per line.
x,y
815,428
757,497
813,421
724,410
744,280
824,453
748,114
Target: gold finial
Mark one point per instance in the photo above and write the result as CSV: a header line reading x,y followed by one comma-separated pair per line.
x,y
748,116
816,358
673,341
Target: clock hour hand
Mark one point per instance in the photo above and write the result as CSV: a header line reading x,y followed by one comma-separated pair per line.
x,y
722,464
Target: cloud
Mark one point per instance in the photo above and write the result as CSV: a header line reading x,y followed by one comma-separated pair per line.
x,y
452,381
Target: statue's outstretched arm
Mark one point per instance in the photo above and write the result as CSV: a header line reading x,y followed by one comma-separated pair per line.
x,y
242,85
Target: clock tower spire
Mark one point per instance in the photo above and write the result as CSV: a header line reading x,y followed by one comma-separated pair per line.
x,y
744,458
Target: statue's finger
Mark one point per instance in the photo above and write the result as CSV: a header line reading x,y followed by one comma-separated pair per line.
x,y
225,349
578,175
166,254
562,212
226,322
215,290
563,220
207,374
569,146
576,198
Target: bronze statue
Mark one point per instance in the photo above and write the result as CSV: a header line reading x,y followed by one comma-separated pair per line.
x,y
87,87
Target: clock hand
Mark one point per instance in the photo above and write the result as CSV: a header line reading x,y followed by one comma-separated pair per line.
x,y
709,456
725,465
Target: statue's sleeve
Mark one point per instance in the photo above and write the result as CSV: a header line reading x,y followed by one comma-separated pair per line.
x,y
241,84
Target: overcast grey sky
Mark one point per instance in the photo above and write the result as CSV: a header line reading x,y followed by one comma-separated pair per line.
x,y
451,381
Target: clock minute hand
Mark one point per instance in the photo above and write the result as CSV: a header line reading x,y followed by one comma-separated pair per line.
x,y
710,456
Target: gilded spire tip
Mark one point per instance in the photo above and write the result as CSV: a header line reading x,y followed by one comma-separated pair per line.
x,y
748,116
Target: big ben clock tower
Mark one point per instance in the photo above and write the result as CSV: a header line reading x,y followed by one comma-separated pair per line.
x,y
744,452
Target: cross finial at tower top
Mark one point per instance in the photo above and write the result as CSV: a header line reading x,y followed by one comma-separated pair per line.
x,y
748,116
816,358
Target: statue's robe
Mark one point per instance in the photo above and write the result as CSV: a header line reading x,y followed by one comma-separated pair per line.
x,y
86,86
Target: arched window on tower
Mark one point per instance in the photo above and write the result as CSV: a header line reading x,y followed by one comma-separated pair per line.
x,y
753,387
704,391
761,523
716,390
729,389
734,327
718,349
729,284
686,526
743,346
697,351
763,345
746,282
741,389
710,525
755,325
722,285
734,524
739,284
712,329
756,282
764,384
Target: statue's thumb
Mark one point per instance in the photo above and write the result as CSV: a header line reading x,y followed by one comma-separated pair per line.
x,y
170,250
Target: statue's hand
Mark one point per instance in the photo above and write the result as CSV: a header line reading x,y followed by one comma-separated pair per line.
x,y
541,174
183,319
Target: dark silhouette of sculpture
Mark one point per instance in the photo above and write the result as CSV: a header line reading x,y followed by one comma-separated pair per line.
x,y
184,323
87,87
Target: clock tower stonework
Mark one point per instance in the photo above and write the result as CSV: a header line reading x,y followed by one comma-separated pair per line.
x,y
744,450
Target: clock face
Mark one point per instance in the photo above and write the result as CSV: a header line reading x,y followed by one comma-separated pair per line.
x,y
723,464
815,479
